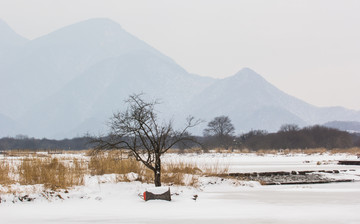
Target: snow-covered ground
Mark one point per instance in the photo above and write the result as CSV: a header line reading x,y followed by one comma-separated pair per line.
x,y
219,200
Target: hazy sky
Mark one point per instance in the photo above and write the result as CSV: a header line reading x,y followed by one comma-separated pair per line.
x,y
309,49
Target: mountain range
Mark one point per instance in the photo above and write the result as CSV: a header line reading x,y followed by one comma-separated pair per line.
x,y
349,126
70,81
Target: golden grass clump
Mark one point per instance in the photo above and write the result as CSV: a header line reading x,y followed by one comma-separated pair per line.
x,y
50,172
181,167
215,170
180,173
108,163
187,173
5,174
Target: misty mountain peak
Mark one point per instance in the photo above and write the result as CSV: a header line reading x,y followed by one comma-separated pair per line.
x,y
98,24
9,37
247,74
94,29
94,39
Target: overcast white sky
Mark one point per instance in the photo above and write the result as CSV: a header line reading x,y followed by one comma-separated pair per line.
x,y
309,48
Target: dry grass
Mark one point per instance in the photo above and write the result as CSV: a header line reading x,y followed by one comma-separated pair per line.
x,y
5,174
216,169
315,151
180,173
76,152
64,171
20,153
57,172
172,173
245,151
50,172
181,167
352,151
108,163
115,162
32,153
196,150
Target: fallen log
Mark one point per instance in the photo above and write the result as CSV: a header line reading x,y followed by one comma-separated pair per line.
x,y
158,193
349,162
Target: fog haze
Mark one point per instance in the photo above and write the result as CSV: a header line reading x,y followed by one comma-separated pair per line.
x,y
310,49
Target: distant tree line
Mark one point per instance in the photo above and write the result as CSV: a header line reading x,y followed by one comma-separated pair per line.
x,y
220,134
296,138
24,142
79,143
288,137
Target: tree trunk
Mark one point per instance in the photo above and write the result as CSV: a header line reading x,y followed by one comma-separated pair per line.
x,y
157,171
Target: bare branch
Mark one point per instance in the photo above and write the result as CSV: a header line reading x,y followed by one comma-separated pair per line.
x,y
138,130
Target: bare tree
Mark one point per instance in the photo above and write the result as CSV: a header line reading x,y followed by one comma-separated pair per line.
x,y
289,128
138,130
221,130
220,126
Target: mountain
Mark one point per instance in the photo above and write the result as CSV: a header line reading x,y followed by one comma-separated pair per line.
x,y
9,38
70,81
102,89
251,102
350,126
44,65
254,103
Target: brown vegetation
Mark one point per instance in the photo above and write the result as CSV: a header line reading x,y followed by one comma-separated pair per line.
x,y
352,151
67,170
4,174
51,172
112,162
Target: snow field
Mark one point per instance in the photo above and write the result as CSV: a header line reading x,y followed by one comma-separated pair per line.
x,y
102,200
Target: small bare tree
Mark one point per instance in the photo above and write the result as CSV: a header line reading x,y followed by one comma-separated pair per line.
x,y
220,126
220,130
138,130
289,128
